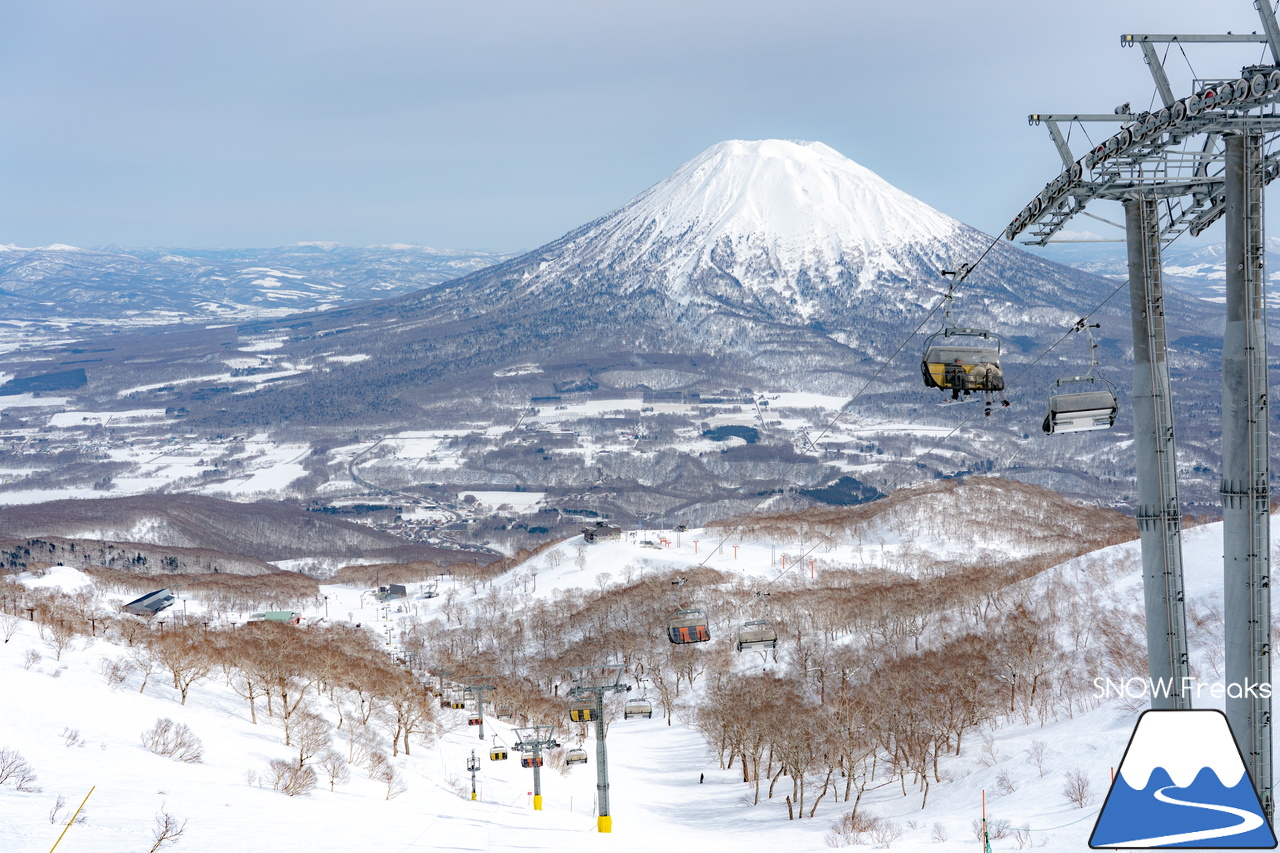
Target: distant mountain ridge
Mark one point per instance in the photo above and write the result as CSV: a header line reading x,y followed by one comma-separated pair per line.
x,y
61,281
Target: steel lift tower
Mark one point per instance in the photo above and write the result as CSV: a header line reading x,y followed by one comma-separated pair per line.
x,y
595,681
1177,168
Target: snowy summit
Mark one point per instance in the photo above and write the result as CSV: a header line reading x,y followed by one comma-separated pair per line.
x,y
793,200
776,215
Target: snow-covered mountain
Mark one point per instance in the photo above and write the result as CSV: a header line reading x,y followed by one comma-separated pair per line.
x,y
752,263
791,224
777,231
757,266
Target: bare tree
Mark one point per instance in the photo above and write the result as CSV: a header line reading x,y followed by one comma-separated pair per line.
x,y
1038,751
310,734
184,654
115,671
59,636
144,661
174,740
290,779
390,776
1077,789
167,831
335,768
14,769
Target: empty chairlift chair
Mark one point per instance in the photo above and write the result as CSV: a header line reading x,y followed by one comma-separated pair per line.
x,y
530,761
498,753
1081,411
757,635
576,756
688,626
503,713
1088,403
637,708
474,720
952,358
583,711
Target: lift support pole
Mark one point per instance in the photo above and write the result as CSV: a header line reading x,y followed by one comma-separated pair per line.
x,y
1246,486
1159,514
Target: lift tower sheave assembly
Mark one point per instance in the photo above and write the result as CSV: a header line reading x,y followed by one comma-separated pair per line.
x,y
1178,168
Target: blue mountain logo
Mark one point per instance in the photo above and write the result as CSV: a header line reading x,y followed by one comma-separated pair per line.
x,y
1182,783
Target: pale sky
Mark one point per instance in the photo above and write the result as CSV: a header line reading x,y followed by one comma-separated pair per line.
x,y
502,124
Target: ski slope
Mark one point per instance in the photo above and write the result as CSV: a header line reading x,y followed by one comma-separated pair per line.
x,y
79,734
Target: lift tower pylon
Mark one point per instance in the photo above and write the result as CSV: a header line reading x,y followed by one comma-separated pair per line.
x,y
1159,514
596,681
1246,493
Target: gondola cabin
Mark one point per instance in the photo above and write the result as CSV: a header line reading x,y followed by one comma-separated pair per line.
x,y
582,712
530,761
756,635
637,708
474,720
576,756
688,626
498,753
962,360
1082,411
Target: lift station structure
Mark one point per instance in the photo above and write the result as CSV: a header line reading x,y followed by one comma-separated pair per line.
x,y
1179,168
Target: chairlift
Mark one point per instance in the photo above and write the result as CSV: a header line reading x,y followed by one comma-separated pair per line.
x,y
637,708
757,634
688,626
457,704
962,360
474,720
503,713
530,761
498,753
583,711
1080,411
576,756
1091,407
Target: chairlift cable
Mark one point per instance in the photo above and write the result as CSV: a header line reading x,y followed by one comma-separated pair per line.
x,y
1188,59
910,465
957,276
960,275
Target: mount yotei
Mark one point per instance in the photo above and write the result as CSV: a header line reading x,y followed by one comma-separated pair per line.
x,y
666,358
